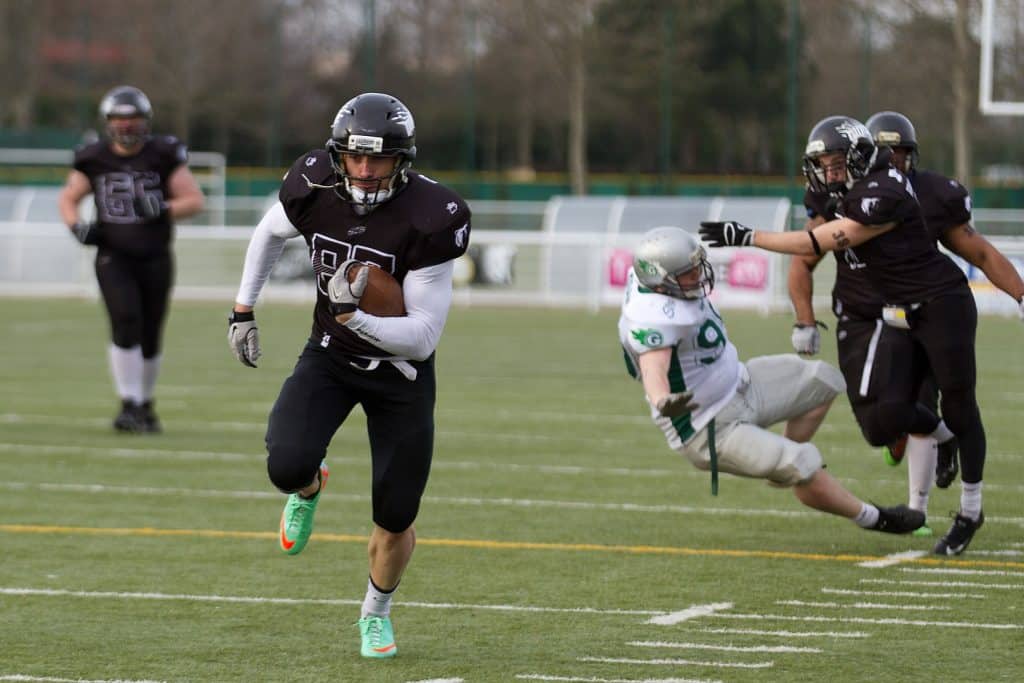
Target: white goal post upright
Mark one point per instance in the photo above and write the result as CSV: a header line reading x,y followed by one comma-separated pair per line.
x,y
987,74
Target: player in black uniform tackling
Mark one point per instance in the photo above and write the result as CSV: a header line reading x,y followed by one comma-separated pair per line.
x,y
925,294
140,184
862,340
946,206
357,202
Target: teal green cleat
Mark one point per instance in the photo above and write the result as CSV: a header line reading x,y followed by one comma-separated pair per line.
x,y
297,518
378,637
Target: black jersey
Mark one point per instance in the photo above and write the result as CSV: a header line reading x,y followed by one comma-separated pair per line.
x,y
944,202
853,294
118,181
425,224
904,264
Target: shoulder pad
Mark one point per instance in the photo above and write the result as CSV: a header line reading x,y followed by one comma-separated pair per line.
x,y
441,219
312,167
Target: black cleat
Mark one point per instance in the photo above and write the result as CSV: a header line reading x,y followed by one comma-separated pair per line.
x,y
129,420
947,465
150,421
898,519
959,535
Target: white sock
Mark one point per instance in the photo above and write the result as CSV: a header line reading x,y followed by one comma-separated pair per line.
x,y
970,500
376,602
150,371
867,517
921,455
126,369
942,433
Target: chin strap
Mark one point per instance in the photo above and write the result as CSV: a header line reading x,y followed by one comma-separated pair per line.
x,y
311,184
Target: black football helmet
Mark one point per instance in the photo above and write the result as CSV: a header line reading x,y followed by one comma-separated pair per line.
x,y
838,134
378,125
125,102
893,129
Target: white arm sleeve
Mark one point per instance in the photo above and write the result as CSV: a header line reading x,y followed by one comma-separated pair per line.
x,y
428,296
264,250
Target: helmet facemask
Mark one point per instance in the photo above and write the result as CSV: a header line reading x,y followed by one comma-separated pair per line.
x,y
123,104
373,125
365,199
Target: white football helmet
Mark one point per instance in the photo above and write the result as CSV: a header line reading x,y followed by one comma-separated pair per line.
x,y
664,254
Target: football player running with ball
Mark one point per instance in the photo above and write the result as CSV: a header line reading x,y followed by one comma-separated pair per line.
x,y
357,202
714,409
925,294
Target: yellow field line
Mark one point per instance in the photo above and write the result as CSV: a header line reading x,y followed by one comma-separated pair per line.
x,y
505,545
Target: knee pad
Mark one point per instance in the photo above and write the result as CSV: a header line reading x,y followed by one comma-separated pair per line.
x,y
395,520
290,473
828,376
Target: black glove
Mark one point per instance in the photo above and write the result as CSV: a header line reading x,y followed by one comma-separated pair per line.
x,y
149,207
86,233
727,234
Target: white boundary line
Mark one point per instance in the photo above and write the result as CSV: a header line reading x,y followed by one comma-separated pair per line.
x,y
692,612
893,559
963,572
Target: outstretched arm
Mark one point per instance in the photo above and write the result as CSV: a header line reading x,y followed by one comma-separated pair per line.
x,y
841,233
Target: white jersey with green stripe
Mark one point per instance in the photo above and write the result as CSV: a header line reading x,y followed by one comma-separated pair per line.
x,y
705,362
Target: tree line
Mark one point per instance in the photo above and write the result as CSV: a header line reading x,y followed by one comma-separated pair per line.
x,y
516,86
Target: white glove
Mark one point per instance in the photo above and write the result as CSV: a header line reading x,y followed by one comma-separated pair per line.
x,y
345,295
244,338
806,339
676,405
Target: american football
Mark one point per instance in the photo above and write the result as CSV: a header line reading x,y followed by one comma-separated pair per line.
x,y
383,295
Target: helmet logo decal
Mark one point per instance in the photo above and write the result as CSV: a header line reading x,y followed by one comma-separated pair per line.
x,y
853,131
310,160
460,235
651,338
365,144
452,207
868,204
646,267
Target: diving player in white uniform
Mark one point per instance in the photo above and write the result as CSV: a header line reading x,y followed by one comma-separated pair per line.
x,y
707,402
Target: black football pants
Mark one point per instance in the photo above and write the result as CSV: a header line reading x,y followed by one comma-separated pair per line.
x,y
316,399
136,291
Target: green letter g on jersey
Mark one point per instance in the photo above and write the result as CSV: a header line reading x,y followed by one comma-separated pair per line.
x,y
649,338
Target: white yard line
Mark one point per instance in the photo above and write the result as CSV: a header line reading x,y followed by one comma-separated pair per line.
x,y
861,605
52,679
867,620
103,489
591,679
242,599
962,572
726,648
677,662
948,584
782,634
903,594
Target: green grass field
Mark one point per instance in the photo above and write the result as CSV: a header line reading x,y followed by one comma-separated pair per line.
x,y
559,540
